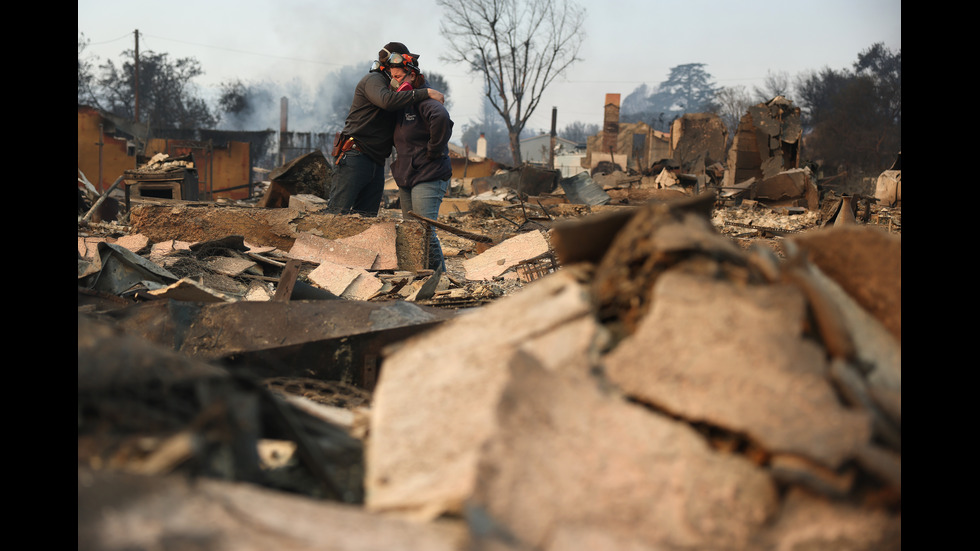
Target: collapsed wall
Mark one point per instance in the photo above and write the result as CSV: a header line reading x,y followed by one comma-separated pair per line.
x,y
766,142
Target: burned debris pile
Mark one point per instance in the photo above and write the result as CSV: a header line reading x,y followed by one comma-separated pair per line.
x,y
667,360
672,392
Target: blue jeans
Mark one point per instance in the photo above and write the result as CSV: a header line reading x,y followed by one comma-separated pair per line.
x,y
357,185
424,199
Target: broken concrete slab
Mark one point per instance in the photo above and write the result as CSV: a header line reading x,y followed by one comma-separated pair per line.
x,y
88,247
428,288
740,193
164,248
259,291
789,185
119,510
307,202
217,267
411,289
89,261
315,249
135,242
611,462
808,522
380,238
333,277
505,255
865,261
439,392
655,238
188,290
412,488
452,205
531,432
363,287
735,357
275,227
869,373
229,266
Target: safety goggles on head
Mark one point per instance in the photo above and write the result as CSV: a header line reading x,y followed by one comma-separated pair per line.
x,y
377,66
402,60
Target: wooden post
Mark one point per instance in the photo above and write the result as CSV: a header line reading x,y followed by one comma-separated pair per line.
x,y
287,281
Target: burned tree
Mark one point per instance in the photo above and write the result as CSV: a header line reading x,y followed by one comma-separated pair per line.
x,y
732,103
854,118
518,47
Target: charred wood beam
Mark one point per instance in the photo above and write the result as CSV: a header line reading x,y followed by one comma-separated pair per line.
x,y
102,199
451,229
287,281
777,231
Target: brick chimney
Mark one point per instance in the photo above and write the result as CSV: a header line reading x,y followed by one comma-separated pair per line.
x,y
610,124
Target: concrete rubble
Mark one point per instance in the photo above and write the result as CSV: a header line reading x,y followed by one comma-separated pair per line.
x,y
702,356
539,416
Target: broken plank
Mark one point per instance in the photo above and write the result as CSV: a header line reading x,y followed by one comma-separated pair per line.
x,y
287,281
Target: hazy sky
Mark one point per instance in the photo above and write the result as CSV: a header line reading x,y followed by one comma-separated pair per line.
x,y
626,42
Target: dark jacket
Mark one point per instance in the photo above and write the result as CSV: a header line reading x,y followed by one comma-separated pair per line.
x,y
422,133
371,119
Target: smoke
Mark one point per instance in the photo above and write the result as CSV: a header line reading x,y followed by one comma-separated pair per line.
x,y
317,108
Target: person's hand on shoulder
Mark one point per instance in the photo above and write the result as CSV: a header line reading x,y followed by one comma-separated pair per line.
x,y
436,95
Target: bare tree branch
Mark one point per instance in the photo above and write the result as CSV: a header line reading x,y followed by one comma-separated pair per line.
x,y
519,47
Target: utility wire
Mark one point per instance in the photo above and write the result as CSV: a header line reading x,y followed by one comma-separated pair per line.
x,y
127,36
240,51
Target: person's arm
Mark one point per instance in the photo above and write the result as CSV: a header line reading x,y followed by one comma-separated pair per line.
x,y
440,126
380,94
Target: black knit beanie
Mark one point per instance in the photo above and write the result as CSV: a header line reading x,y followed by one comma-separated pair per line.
x,y
393,48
